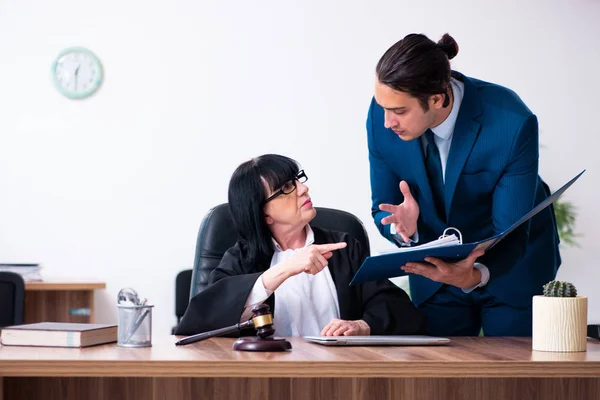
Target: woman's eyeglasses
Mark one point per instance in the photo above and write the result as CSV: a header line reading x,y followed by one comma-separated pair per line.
x,y
289,186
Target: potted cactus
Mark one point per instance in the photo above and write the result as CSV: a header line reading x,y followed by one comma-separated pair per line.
x,y
559,319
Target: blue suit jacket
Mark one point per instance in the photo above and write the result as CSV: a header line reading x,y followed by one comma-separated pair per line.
x,y
491,181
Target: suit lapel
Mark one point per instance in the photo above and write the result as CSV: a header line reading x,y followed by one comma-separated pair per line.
x,y
465,134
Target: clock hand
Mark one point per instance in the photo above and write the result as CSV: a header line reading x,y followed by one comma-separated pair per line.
x,y
76,73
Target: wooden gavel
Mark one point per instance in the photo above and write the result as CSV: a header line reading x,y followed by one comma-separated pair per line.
x,y
261,320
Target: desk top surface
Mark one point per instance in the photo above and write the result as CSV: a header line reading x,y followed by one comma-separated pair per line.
x,y
463,357
63,285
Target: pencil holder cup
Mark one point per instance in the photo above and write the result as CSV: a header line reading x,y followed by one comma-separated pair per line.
x,y
134,325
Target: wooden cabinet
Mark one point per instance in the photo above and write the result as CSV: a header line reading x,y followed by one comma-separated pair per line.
x,y
60,301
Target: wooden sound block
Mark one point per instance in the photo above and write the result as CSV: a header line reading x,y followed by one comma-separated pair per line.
x,y
255,343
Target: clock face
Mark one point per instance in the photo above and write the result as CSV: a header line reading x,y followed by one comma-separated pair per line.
x,y
77,73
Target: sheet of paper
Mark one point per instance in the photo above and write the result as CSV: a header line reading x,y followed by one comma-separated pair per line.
x,y
445,241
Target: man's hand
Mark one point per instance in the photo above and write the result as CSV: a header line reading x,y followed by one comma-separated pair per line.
x,y
405,215
339,327
460,274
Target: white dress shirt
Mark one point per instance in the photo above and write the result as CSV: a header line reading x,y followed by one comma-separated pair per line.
x,y
442,135
304,303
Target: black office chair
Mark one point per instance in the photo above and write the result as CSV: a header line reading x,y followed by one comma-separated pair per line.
x,y
12,299
183,282
217,234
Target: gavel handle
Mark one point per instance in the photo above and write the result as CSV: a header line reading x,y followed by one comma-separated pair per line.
x,y
217,332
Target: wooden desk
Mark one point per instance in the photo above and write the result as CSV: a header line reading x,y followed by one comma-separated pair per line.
x,y
468,368
60,301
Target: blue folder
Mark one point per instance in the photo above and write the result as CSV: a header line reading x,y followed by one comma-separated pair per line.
x,y
388,265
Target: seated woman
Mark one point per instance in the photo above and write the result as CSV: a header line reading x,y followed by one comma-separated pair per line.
x,y
302,272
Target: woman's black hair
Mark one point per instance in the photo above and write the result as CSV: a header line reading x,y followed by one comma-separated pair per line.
x,y
246,196
418,66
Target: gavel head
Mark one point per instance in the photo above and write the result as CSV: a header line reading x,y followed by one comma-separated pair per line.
x,y
263,321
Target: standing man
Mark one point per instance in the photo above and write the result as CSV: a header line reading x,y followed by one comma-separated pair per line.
x,y
446,150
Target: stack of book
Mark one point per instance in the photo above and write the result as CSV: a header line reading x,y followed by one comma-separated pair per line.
x,y
29,272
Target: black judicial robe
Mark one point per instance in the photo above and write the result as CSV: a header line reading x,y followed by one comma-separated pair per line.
x,y
381,304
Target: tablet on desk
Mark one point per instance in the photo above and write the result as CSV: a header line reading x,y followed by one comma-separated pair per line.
x,y
404,340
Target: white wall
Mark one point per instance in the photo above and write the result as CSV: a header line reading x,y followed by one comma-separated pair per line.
x,y
114,187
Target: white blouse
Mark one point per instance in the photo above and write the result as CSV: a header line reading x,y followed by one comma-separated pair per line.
x,y
304,303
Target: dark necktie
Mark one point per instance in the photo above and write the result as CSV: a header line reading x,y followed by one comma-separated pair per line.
x,y
433,165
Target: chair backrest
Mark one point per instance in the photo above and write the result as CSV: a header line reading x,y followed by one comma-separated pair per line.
x,y
182,292
217,234
12,299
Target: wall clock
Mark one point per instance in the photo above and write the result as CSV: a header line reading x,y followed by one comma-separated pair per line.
x,y
77,72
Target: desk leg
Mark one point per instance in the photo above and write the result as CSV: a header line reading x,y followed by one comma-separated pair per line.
x,y
59,306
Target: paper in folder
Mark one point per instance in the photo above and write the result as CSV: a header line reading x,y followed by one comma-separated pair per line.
x,y
448,247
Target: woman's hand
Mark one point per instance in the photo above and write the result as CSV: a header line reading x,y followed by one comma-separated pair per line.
x,y
339,327
310,260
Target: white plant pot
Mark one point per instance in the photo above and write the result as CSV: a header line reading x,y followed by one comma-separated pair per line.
x,y
559,323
